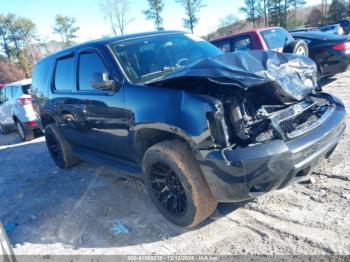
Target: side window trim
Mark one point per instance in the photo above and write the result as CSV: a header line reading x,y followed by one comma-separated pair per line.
x,y
100,56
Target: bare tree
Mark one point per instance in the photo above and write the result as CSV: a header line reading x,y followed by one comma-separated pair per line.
x,y
228,20
192,8
116,12
66,28
154,13
250,9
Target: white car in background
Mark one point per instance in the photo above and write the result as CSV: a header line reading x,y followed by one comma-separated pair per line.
x,y
333,29
16,110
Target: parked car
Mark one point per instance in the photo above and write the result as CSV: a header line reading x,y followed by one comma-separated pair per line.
x,y
330,52
196,125
275,38
16,110
303,29
345,24
333,29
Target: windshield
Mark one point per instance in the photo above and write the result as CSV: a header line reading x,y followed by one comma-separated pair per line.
x,y
148,58
276,38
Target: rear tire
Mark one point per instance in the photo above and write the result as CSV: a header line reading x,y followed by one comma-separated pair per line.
x,y
24,134
298,47
176,184
60,150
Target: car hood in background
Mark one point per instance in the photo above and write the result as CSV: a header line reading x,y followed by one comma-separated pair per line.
x,y
321,36
293,77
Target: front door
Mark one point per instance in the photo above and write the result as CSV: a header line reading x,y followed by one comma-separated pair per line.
x,y
95,119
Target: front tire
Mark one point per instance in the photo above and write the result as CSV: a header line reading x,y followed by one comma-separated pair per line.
x,y
176,184
59,148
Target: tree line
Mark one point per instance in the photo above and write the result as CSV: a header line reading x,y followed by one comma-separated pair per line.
x,y
22,46
272,12
117,13
284,12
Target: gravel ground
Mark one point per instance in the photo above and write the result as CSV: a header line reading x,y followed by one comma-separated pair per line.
x,y
73,211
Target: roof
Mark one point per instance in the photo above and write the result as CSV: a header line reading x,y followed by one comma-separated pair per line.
x,y
242,33
108,40
22,82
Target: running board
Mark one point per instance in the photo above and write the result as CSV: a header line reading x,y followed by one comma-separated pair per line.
x,y
114,163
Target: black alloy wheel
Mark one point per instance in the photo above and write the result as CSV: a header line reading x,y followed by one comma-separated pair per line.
x,y
168,189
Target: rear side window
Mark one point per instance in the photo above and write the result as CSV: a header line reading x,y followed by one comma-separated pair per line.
x,y
224,46
276,38
242,44
64,74
40,76
89,63
26,89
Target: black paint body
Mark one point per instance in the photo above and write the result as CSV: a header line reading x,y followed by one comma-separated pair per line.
x,y
116,127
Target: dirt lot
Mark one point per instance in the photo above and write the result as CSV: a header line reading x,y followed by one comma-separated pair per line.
x,y
73,211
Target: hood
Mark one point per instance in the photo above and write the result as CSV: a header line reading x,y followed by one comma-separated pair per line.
x,y
292,76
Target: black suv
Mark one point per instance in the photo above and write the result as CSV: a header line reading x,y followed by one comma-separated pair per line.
x,y
196,125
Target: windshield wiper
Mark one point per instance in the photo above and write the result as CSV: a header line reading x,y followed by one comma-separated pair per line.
x,y
165,70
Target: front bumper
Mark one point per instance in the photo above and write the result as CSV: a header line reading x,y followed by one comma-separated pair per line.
x,y
237,174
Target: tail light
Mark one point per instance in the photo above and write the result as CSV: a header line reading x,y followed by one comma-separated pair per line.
x,y
342,46
24,100
31,123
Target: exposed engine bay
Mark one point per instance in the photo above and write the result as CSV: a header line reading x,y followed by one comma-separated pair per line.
x,y
263,95
250,121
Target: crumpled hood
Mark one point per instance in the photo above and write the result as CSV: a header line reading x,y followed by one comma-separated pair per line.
x,y
293,76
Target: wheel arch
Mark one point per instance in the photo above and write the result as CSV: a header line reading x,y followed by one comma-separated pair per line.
x,y
46,119
149,135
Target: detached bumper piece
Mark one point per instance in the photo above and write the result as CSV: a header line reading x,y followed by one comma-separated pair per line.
x,y
309,131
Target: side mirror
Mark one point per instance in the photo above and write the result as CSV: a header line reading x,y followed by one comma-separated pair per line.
x,y
101,81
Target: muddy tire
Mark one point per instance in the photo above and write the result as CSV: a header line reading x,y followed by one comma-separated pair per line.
x,y
298,47
60,150
24,134
176,185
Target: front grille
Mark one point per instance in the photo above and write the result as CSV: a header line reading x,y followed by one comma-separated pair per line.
x,y
304,119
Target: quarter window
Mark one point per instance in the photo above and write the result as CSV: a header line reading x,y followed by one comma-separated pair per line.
x,y
64,74
89,63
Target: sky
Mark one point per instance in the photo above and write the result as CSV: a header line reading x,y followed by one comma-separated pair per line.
x,y
93,25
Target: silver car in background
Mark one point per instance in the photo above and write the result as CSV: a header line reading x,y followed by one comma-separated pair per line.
x,y
16,110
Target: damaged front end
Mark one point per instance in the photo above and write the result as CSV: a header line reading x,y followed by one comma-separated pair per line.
x,y
270,126
262,95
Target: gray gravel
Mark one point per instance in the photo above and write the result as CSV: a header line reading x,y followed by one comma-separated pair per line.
x,y
73,211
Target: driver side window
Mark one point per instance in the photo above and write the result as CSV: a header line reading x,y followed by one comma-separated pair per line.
x,y
89,63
